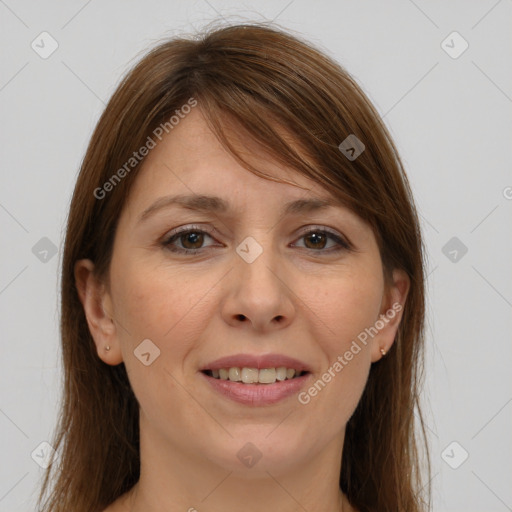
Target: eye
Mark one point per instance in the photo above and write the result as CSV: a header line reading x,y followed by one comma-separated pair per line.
x,y
316,240
190,238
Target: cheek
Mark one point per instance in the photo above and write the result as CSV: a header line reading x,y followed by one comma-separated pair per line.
x,y
156,303
346,303
358,311
169,309
347,311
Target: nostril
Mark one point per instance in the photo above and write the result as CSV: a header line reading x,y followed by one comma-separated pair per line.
x,y
240,317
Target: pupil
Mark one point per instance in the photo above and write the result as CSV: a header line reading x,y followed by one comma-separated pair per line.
x,y
317,238
194,238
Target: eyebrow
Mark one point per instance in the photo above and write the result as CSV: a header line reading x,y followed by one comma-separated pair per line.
x,y
204,203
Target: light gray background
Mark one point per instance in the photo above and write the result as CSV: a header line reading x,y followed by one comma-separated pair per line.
x,y
451,119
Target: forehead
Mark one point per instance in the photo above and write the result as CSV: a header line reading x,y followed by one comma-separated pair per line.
x,y
191,160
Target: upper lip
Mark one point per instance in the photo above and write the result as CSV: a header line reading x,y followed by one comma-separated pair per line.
x,y
256,361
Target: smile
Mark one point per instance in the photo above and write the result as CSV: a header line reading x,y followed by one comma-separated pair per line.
x,y
256,393
255,376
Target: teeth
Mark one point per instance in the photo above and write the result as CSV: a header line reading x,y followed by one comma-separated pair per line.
x,y
281,373
234,374
267,376
253,375
249,375
290,373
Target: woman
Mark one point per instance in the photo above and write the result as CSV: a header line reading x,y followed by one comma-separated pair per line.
x,y
242,292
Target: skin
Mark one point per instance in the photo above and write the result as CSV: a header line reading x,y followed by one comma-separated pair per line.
x,y
189,306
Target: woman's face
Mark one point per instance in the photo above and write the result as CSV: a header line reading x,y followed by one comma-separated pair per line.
x,y
262,281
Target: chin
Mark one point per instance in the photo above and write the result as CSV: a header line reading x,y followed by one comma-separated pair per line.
x,y
254,455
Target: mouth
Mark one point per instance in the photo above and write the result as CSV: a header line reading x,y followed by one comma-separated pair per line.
x,y
256,379
264,376
254,387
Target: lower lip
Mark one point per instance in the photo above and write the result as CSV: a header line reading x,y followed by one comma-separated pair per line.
x,y
258,394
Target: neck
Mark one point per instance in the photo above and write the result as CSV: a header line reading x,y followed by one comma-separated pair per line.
x,y
174,478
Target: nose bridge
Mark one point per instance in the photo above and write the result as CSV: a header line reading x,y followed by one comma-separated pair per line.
x,y
258,292
257,261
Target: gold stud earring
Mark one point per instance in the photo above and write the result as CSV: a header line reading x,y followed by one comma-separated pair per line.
x,y
107,348
383,352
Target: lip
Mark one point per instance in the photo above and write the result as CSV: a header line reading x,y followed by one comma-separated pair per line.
x,y
257,361
257,394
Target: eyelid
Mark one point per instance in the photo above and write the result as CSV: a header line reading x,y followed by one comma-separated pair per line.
x,y
210,230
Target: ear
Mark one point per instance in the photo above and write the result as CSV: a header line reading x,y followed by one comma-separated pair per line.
x,y
97,306
392,306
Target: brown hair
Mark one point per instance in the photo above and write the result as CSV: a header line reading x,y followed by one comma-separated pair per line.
x,y
262,79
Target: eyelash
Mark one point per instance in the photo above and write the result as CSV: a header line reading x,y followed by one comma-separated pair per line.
x,y
167,243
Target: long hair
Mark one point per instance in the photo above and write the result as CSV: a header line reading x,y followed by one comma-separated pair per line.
x,y
298,105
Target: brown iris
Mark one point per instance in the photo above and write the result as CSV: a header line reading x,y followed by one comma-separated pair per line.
x,y
318,237
195,238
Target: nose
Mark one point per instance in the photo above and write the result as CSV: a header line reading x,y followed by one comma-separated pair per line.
x,y
259,295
